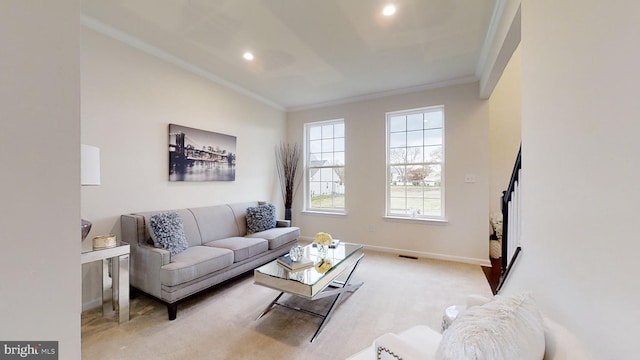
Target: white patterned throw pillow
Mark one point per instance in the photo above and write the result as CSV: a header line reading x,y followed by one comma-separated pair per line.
x,y
167,232
506,328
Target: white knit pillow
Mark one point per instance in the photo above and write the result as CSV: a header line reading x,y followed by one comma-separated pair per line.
x,y
508,327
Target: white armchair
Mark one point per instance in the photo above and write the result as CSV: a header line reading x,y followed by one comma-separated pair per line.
x,y
418,342
483,331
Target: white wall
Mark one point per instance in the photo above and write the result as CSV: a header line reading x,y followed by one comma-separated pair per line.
x,y
505,116
580,192
465,236
128,100
40,182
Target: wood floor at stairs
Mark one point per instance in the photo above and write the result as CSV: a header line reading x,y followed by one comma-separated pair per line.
x,y
493,274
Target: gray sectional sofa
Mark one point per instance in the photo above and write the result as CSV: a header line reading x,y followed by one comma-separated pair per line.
x,y
219,248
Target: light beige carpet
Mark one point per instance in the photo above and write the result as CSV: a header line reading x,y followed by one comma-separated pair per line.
x,y
221,323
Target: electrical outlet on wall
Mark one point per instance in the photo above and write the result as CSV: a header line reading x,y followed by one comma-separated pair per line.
x,y
469,178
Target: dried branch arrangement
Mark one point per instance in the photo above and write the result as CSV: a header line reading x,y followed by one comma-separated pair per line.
x,y
288,160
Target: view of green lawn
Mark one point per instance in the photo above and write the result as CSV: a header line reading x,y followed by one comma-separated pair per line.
x,y
328,201
425,199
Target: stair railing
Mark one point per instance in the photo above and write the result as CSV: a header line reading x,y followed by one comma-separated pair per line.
x,y
511,220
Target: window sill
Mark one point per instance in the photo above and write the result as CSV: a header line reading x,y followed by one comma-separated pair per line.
x,y
416,220
330,213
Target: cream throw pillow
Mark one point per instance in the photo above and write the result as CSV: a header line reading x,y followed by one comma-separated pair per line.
x,y
508,327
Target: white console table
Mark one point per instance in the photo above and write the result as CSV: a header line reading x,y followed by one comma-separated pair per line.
x,y
115,288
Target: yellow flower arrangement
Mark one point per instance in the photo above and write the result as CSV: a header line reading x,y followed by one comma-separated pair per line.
x,y
323,238
323,265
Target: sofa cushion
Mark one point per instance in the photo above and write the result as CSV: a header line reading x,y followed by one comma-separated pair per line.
x,y
215,222
193,263
278,237
167,231
243,248
508,327
260,218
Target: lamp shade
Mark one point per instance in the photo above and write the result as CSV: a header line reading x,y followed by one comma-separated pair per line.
x,y
89,165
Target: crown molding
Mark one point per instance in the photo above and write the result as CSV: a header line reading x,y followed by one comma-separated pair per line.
x,y
102,28
381,94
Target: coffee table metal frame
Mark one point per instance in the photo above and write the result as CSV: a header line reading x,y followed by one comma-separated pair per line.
x,y
336,282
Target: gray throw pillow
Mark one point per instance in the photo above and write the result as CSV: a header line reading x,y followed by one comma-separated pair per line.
x,y
261,218
167,232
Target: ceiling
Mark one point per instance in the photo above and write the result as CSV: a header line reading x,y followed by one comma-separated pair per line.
x,y
307,52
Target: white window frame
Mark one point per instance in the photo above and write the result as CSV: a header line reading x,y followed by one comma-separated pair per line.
x,y
408,212
311,168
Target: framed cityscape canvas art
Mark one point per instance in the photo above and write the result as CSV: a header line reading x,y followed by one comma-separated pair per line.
x,y
199,155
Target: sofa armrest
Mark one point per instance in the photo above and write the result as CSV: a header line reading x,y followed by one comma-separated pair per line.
x,y
144,273
161,256
283,223
391,346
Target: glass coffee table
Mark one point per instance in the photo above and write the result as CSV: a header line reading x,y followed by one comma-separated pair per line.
x,y
310,283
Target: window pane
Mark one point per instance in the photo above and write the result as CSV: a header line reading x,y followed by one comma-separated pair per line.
x,y
338,158
327,131
398,205
433,120
432,207
415,122
416,175
327,159
338,130
315,146
414,138
314,175
433,153
414,155
327,145
433,171
433,137
338,144
398,156
315,133
339,177
397,123
398,139
326,174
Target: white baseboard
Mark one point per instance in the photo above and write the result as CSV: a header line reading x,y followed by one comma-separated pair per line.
x,y
420,254
93,304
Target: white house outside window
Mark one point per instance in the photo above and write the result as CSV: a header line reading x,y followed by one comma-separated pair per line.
x,y
415,163
324,165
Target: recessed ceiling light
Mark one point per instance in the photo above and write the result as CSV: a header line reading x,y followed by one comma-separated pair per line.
x,y
389,10
248,56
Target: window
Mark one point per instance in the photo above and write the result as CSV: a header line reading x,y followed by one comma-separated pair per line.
x,y
324,165
415,163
